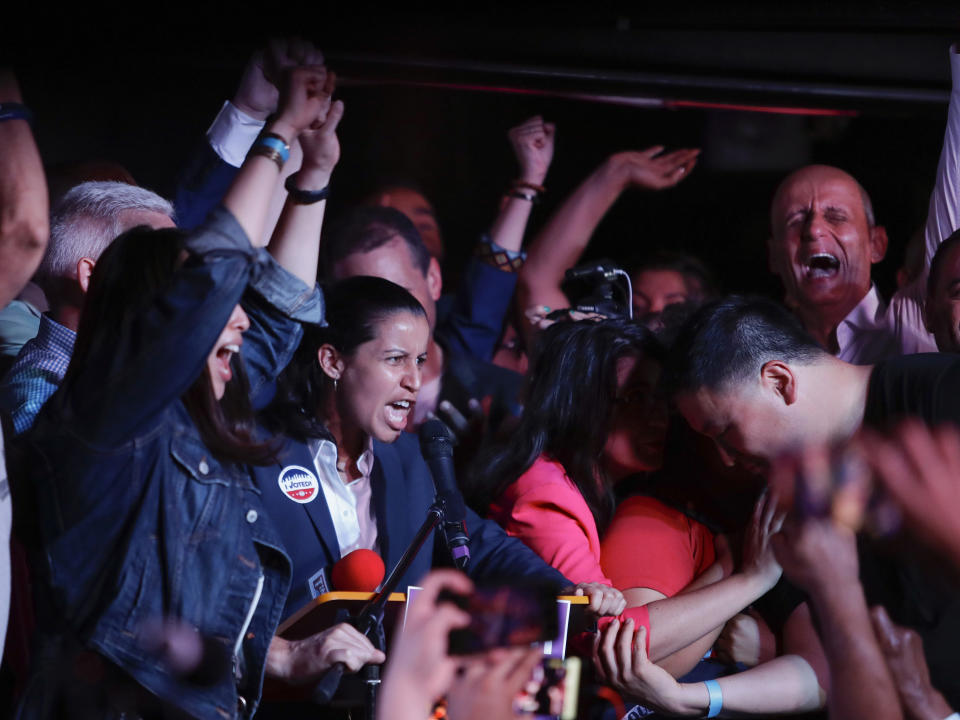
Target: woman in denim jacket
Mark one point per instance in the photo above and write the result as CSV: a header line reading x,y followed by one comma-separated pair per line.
x,y
146,513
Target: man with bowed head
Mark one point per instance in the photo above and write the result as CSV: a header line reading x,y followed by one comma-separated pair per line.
x,y
745,374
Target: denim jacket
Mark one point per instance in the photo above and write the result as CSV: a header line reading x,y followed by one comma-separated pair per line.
x,y
138,521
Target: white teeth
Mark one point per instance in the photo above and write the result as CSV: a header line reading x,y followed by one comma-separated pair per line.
x,y
822,260
405,404
232,348
821,265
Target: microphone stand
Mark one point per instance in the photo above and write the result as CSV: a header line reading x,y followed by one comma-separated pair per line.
x,y
369,621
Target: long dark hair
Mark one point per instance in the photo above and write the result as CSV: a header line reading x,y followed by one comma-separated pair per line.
x,y
137,267
568,408
354,308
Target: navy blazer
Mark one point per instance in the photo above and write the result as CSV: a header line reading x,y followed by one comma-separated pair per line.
x,y
402,490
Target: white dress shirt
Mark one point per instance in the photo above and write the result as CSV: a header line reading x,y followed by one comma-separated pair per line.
x,y
232,134
873,331
348,502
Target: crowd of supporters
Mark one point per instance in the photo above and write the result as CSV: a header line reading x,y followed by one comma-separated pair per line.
x,y
209,401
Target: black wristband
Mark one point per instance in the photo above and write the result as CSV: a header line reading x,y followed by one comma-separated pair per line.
x,y
304,197
15,111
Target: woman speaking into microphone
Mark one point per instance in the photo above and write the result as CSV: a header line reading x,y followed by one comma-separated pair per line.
x,y
349,477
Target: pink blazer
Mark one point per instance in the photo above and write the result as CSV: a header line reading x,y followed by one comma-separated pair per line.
x,y
547,512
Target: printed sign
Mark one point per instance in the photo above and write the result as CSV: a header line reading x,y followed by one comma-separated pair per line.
x,y
318,583
298,484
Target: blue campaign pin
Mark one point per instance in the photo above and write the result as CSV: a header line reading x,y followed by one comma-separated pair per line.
x,y
298,484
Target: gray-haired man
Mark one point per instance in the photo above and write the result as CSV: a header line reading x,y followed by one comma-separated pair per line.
x,y
83,224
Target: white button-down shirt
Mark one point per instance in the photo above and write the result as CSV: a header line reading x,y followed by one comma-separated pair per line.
x,y
232,134
873,331
348,502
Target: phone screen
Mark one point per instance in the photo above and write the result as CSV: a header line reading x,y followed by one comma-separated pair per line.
x,y
504,616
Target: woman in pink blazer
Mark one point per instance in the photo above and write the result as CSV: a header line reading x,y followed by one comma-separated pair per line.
x,y
592,416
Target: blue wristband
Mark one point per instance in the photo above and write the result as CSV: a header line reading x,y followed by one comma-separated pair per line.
x,y
716,698
275,143
15,111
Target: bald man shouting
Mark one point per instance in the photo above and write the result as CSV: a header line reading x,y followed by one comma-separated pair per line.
x,y
824,239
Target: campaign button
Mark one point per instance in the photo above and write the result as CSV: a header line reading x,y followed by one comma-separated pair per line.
x,y
298,484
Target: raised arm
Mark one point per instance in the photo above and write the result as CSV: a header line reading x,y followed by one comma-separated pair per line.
x,y
24,212
216,161
475,320
304,94
562,241
944,214
118,390
296,241
532,144
821,558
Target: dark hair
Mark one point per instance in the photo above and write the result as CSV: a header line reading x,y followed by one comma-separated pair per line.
x,y
729,340
569,404
354,308
688,266
130,274
366,228
936,264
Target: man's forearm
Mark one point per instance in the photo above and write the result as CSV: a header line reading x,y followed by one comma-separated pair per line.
x,y
562,241
861,685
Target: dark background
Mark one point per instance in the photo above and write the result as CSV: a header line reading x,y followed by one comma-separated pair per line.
x,y
431,90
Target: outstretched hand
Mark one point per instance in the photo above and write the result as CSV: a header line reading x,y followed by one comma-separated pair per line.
x,y
652,169
532,143
258,92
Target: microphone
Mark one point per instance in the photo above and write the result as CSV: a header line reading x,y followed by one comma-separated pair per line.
x,y
437,448
360,570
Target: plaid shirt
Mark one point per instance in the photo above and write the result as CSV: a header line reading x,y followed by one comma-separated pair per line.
x,y
37,373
